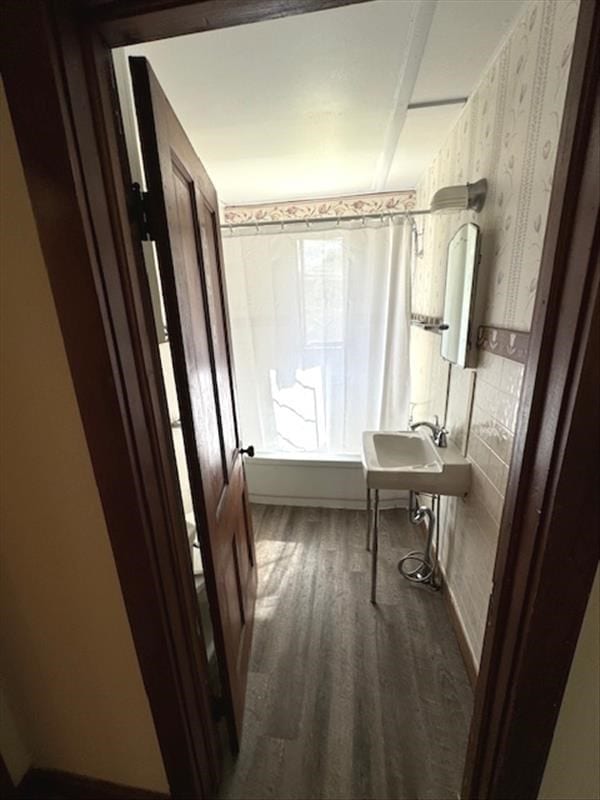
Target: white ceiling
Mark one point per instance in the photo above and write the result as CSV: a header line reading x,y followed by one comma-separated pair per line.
x,y
315,105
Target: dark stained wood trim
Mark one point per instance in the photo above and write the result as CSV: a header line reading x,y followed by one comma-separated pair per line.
x,y
504,342
39,784
171,544
124,22
546,559
56,67
164,142
7,787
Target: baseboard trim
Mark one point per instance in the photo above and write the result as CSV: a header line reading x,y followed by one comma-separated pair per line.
x,y
471,666
324,502
463,645
47,784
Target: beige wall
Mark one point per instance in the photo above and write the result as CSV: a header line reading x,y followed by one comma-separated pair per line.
x,y
573,766
508,133
68,658
13,747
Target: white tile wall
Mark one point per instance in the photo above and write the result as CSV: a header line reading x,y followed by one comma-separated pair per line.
x,y
460,398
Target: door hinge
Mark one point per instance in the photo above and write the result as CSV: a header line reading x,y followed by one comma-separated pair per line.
x,y
140,203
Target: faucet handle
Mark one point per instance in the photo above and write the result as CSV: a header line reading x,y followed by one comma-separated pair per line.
x,y
436,420
441,438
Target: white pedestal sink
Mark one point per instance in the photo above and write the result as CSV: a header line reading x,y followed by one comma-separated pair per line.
x,y
408,460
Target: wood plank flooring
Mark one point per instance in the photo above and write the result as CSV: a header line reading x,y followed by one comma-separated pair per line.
x,y
345,699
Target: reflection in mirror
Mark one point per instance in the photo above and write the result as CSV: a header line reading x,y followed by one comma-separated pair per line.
x,y
458,345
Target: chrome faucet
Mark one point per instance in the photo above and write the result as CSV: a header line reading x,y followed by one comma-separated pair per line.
x,y
438,432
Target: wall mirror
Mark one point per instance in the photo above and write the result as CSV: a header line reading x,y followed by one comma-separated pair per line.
x,y
458,341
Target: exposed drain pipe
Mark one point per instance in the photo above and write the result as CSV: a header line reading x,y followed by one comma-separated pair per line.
x,y
417,566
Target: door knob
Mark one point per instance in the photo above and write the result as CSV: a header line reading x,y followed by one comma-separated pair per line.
x,y
249,451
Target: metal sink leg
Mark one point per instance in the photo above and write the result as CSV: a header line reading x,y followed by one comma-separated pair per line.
x,y
374,547
368,518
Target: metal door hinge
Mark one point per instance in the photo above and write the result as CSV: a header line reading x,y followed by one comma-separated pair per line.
x,y
141,210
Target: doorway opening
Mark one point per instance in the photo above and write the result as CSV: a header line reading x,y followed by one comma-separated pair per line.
x,y
59,61
309,388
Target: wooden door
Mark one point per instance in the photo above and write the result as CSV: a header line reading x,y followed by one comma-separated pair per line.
x,y
182,203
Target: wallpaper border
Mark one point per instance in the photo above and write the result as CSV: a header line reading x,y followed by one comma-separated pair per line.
x,y
334,207
504,342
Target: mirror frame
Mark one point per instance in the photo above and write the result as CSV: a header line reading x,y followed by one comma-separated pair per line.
x,y
466,356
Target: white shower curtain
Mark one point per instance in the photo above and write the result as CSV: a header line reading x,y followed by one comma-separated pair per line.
x,y
320,322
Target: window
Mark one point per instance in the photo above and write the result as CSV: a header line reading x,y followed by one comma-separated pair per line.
x,y
321,263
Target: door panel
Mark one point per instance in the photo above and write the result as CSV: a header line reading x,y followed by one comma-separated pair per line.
x,y
183,207
216,295
194,331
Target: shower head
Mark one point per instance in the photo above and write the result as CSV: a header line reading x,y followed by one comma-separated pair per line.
x,y
465,197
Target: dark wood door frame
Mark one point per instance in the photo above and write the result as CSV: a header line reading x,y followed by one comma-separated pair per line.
x,y
58,76
548,546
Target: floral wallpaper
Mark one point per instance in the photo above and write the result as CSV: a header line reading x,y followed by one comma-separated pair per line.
x,y
508,133
333,207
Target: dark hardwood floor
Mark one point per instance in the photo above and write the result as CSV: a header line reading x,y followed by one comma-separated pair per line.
x,y
347,700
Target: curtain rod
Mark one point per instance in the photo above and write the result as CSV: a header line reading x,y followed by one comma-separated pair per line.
x,y
308,220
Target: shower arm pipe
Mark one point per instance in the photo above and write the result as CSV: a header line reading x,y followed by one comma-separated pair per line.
x,y
316,220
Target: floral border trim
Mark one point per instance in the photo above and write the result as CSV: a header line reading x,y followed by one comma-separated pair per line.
x,y
334,207
504,342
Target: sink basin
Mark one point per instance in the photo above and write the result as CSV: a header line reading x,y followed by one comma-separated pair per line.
x,y
410,460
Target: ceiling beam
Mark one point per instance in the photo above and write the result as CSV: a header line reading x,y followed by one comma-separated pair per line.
x,y
421,17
